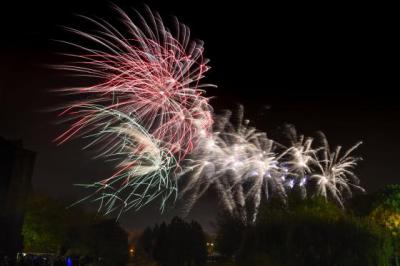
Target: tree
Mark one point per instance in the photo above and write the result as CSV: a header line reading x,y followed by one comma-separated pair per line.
x,y
145,247
389,197
386,212
51,228
161,244
313,232
176,244
106,240
44,228
198,248
229,235
145,243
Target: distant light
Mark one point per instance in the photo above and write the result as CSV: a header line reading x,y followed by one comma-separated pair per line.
x,y
131,250
212,244
69,262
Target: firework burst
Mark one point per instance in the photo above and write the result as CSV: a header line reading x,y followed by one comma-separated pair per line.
x,y
239,162
334,175
143,168
146,72
147,110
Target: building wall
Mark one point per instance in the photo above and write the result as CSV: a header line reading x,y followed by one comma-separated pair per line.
x,y
16,168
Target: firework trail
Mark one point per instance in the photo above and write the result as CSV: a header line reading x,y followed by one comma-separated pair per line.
x,y
147,114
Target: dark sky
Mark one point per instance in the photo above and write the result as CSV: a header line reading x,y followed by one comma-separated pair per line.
x,y
326,68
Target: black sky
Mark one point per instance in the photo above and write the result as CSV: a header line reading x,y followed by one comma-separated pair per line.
x,y
318,67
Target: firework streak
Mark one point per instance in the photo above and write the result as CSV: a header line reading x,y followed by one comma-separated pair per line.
x,y
147,114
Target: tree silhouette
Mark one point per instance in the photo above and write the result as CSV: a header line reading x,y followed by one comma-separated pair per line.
x,y
176,244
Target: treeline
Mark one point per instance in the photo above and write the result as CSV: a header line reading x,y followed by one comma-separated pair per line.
x,y
299,232
178,243
316,232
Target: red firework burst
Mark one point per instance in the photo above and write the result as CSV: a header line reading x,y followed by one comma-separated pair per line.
x,y
150,74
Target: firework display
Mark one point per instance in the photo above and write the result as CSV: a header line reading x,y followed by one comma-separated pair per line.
x,y
148,74
245,166
148,115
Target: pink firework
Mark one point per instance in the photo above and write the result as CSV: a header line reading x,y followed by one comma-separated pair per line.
x,y
148,73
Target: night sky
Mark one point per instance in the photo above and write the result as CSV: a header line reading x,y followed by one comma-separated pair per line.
x,y
323,68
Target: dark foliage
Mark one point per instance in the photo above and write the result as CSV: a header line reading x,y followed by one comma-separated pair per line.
x,y
91,240
176,244
311,232
230,234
